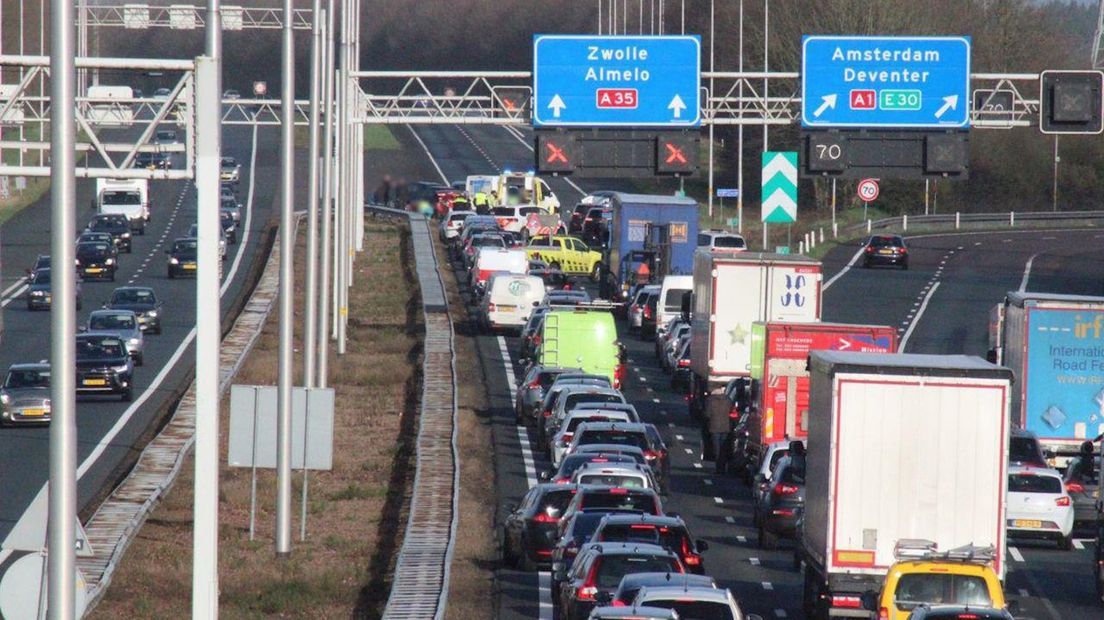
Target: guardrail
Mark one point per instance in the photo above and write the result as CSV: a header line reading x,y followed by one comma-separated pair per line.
x,y
419,589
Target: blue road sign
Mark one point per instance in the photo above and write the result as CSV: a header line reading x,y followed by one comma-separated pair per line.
x,y
616,81
885,81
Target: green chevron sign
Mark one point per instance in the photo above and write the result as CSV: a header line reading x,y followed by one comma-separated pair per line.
x,y
779,187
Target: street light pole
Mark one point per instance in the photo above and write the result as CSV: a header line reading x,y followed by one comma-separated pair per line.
x,y
287,290
740,133
311,298
63,427
709,103
327,205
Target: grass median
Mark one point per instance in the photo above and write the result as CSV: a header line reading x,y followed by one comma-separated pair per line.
x,y
356,512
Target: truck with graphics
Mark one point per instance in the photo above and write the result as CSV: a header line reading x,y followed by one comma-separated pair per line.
x,y
659,230
1055,345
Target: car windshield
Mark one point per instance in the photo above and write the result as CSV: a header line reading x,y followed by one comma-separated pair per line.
x,y
574,422
229,162
100,348
695,610
96,247
573,400
122,198
105,223
111,321
585,524
614,567
554,502
573,462
503,211
133,296
185,249
488,241
29,378
1030,483
673,301
914,589
42,276
886,242
1023,450
618,437
620,500
729,242
672,538
627,481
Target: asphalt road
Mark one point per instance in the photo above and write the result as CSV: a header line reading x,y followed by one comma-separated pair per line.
x,y
940,304
110,431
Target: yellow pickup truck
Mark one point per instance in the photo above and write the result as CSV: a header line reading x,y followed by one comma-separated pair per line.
x,y
567,254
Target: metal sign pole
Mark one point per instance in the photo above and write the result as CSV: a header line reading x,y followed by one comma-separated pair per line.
x,y
311,283
287,292
63,426
327,206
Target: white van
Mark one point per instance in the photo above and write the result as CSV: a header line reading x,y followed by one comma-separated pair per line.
x,y
670,299
129,197
490,260
510,300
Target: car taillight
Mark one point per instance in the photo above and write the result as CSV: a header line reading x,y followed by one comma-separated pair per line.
x,y
618,603
688,556
1074,487
547,413
536,341
1062,501
651,455
784,489
588,589
566,439
869,249
733,413
647,312
544,517
618,491
883,613
563,480
905,251
846,600
684,363
535,383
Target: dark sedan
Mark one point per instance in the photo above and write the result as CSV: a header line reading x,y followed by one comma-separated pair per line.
x,y
104,366
118,226
183,257
529,532
39,295
781,505
143,302
96,260
886,250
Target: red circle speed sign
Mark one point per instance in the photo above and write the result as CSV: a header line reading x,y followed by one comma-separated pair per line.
x,y
868,190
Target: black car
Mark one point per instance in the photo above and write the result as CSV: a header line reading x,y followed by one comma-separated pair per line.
x,y
38,290
183,256
96,260
669,532
104,366
143,302
885,250
632,583
151,160
681,373
529,532
572,462
229,227
574,533
118,226
781,506
598,570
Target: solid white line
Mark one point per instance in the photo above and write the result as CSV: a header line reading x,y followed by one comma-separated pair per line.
x,y
527,456
14,296
916,319
845,269
530,147
1027,273
1078,544
1015,553
244,241
428,154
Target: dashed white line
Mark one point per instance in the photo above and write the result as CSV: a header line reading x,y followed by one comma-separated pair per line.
x,y
678,437
780,613
845,269
707,482
1027,273
718,500
697,465
768,585
1015,553
916,320
689,450
754,561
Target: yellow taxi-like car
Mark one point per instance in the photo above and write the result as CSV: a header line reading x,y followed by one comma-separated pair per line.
x,y
925,576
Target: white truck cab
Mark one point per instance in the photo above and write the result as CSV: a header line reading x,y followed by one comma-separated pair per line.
x,y
129,197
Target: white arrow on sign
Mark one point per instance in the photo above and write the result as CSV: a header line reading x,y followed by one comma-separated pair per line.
x,y
779,199
780,165
556,105
844,344
676,106
829,102
949,103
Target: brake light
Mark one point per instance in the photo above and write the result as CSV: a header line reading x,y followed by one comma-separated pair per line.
x,y
869,249
490,307
651,455
483,275
1074,487
641,526
618,491
547,413
688,556
588,589
685,363
1062,501
618,603
905,251
544,517
563,481
536,340
784,489
647,312
846,600
967,616
883,613
566,438
733,413
535,383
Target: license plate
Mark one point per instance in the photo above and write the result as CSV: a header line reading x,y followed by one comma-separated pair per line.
x,y
504,307
94,270
36,413
1029,523
95,382
885,251
186,266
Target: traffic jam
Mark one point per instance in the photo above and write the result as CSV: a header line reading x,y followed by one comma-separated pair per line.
x,y
110,342
898,479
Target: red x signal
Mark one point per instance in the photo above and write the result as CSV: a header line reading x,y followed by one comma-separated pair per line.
x,y
555,154
674,154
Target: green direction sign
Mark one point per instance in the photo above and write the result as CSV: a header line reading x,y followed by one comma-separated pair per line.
x,y
779,187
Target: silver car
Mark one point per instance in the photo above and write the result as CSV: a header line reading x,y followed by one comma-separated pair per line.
x,y
25,395
193,231
122,324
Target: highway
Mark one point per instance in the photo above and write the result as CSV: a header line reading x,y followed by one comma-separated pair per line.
x,y
940,305
111,432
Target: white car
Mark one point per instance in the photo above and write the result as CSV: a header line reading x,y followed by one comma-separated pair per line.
x,y
1038,505
453,224
693,602
562,439
721,240
512,218
624,475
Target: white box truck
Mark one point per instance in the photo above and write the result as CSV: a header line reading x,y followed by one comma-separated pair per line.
x,y
734,290
1055,345
900,447
129,197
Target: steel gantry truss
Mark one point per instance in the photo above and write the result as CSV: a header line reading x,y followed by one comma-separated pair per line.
x,y
1098,40
738,98
188,17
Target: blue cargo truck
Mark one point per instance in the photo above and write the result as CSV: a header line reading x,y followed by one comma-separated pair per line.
x,y
659,230
1055,346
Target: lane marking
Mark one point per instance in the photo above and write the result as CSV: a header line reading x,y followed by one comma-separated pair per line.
x,y
697,465
916,320
754,561
768,585
718,500
428,154
1015,553
707,482
780,613
1078,544
689,450
1027,273
845,269
1022,592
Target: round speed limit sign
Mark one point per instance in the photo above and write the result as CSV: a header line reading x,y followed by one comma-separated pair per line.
x,y
868,190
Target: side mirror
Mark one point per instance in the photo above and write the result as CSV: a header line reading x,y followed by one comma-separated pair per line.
x,y
82,328
701,545
545,476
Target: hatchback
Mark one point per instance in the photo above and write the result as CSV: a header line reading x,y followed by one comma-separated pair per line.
x,y
669,532
599,569
1039,506
886,250
529,531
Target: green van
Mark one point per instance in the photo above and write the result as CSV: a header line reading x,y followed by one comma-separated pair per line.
x,y
581,338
